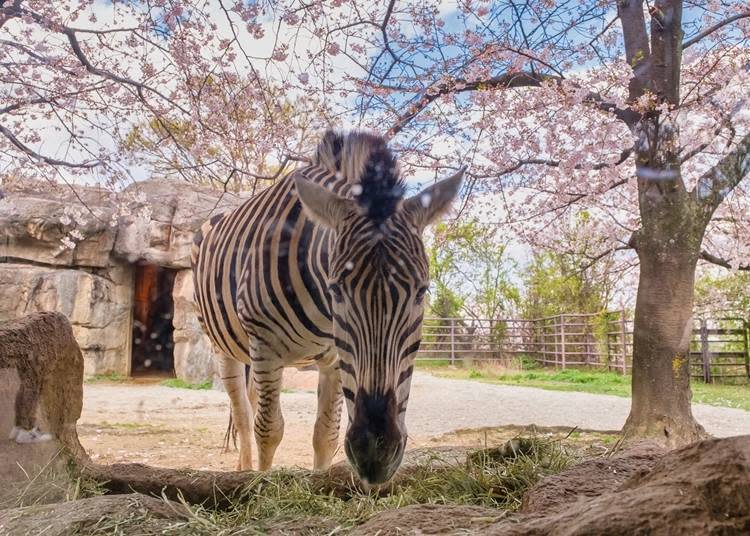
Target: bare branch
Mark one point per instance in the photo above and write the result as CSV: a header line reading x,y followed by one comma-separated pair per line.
x,y
52,161
715,27
713,259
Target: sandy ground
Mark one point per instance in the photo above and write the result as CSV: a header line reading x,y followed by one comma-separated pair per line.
x,y
149,423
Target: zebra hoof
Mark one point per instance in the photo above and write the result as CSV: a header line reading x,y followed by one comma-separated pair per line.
x,y
34,435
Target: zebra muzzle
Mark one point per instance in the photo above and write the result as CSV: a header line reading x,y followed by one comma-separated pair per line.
x,y
374,442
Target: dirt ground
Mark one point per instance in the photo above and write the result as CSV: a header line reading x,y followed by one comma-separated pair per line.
x,y
142,421
162,426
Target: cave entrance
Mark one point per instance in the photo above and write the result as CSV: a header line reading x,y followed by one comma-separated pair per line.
x,y
153,311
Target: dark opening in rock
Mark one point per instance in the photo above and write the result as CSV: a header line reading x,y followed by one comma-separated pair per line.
x,y
153,313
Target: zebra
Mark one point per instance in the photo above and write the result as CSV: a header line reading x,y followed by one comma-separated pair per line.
x,y
325,267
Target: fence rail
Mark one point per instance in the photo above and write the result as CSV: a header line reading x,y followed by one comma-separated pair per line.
x,y
718,350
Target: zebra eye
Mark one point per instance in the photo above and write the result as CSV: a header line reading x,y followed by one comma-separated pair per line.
x,y
335,291
420,294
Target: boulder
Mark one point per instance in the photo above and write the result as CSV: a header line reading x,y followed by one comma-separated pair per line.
x,y
97,303
163,217
41,396
193,351
36,216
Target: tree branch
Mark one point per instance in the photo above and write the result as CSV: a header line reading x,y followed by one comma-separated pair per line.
x,y
715,27
725,123
139,86
637,50
507,80
593,259
624,155
721,179
503,81
713,259
17,11
52,161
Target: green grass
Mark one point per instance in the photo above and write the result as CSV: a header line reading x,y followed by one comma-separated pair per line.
x,y
111,377
599,382
432,363
179,383
130,426
494,477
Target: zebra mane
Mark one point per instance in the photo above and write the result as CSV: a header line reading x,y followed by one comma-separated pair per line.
x,y
364,160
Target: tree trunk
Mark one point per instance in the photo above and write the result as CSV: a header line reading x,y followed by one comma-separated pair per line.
x,y
668,247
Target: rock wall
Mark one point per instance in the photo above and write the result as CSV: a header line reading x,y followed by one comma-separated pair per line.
x,y
36,217
162,220
74,252
193,352
97,303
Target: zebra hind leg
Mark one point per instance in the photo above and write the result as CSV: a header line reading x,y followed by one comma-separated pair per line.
x,y
269,422
232,374
327,422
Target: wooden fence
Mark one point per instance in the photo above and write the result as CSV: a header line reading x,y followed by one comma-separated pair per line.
x,y
718,350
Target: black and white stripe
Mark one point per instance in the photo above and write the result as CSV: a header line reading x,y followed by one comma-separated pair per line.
x,y
327,266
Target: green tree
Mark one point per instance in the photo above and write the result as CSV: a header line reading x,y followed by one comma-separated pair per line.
x,y
727,294
229,150
471,273
558,283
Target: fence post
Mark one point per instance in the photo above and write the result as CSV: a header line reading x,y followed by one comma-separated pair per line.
x,y
562,339
453,341
623,343
704,352
746,325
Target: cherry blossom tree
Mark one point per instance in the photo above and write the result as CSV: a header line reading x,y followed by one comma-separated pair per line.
x,y
84,82
636,111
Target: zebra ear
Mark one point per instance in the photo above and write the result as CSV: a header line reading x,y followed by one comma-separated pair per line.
x,y
321,204
431,203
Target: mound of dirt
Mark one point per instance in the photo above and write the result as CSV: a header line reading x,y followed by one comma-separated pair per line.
x,y
106,513
590,478
431,519
700,489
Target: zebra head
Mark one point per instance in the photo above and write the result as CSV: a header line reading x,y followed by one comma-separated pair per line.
x,y
377,279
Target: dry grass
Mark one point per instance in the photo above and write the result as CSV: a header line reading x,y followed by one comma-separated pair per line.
x,y
282,502
56,481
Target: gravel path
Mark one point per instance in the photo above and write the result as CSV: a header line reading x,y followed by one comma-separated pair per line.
x,y
442,405
184,428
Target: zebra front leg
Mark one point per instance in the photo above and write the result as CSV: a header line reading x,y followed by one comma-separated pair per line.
x,y
232,374
327,422
269,422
